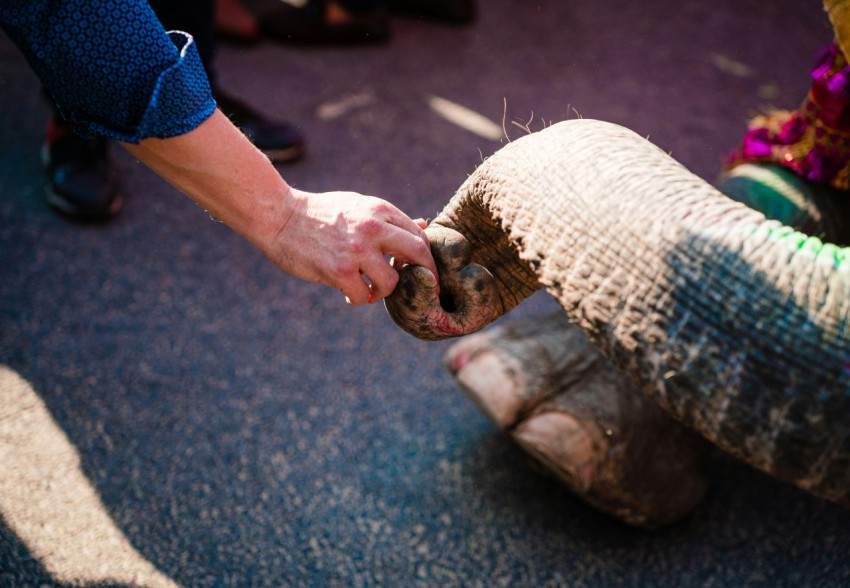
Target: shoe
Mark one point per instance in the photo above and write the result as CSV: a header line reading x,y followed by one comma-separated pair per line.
x,y
280,141
81,182
308,24
448,11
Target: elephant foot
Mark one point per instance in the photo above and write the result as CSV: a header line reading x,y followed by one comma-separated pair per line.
x,y
543,383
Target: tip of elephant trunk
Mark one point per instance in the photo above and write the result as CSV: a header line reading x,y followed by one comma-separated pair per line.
x,y
464,299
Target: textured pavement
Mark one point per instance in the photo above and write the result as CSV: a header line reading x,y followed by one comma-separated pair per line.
x,y
176,411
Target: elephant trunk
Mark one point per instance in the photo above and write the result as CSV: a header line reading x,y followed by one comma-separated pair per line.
x,y
735,325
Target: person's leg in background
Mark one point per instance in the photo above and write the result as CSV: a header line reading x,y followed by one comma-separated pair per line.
x,y
348,21
322,21
234,22
279,140
80,180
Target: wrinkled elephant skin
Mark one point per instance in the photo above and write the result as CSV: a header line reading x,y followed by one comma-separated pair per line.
x,y
738,327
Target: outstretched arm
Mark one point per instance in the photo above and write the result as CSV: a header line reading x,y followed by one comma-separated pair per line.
x,y
334,238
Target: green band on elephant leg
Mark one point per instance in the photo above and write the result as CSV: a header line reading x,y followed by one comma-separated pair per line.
x,y
781,195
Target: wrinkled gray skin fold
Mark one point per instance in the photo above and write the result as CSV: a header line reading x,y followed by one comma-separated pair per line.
x,y
735,325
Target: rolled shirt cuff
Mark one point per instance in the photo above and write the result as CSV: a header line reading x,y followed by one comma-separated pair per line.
x,y
179,102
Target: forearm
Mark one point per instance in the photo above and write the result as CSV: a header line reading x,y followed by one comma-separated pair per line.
x,y
217,166
339,239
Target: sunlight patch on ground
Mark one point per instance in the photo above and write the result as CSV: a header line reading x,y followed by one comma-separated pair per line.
x,y
730,66
466,118
47,501
337,108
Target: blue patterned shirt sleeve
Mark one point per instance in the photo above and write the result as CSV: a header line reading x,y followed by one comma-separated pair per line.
x,y
111,67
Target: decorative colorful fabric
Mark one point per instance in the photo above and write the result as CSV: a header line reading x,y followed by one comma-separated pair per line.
x,y
813,141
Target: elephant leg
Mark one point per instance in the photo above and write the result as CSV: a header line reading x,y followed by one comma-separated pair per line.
x,y
544,384
735,325
815,209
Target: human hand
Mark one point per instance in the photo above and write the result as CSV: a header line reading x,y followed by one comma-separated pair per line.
x,y
343,240
339,239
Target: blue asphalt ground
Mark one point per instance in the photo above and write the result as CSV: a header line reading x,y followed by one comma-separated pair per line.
x,y
198,418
